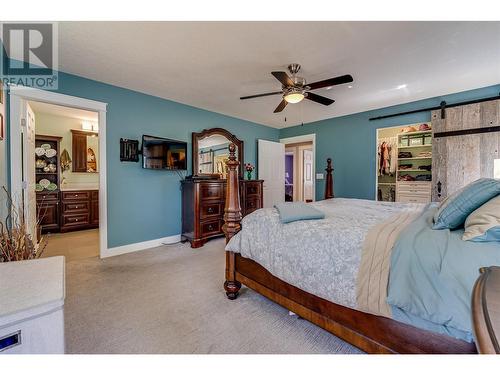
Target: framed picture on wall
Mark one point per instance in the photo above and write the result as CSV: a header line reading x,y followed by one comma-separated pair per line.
x,y
1,126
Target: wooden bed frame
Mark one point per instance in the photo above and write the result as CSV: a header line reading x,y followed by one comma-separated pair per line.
x,y
371,333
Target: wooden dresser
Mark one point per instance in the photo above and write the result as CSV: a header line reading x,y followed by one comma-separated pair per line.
x,y
203,207
79,210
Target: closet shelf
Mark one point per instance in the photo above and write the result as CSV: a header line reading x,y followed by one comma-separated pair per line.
x,y
386,183
415,133
416,158
416,146
413,170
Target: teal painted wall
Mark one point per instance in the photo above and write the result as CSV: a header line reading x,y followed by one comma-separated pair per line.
x,y
146,204
350,142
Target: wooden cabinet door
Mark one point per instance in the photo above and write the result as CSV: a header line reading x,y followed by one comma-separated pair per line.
x,y
94,212
48,215
79,150
460,160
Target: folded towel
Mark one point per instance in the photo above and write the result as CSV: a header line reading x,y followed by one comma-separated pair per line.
x,y
294,211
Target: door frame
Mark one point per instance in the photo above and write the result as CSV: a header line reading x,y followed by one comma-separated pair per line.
x,y
19,93
305,138
295,175
377,132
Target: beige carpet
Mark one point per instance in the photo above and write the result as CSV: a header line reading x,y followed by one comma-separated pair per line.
x,y
170,300
73,245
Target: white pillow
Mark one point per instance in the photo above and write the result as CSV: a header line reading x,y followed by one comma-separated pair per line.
x,y
483,225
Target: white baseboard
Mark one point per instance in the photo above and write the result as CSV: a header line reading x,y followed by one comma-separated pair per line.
x,y
119,250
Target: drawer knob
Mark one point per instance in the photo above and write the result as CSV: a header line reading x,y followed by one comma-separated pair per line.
x,y
210,227
76,206
76,219
76,195
210,210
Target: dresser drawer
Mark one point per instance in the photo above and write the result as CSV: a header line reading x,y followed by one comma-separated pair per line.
x,y
211,227
45,197
414,187
208,209
252,204
211,191
414,198
75,220
75,195
76,207
252,188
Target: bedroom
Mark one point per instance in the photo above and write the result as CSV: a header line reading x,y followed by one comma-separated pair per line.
x,y
191,152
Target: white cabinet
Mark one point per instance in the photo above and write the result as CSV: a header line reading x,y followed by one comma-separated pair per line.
x,y
413,192
31,306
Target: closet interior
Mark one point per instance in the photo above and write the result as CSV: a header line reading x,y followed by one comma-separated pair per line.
x,y
404,163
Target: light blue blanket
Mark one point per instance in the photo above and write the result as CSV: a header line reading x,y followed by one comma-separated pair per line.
x,y
432,276
294,211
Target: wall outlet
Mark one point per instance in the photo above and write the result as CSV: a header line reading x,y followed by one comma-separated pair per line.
x,y
319,176
496,168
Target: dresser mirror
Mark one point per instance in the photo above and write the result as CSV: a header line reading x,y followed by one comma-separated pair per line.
x,y
211,151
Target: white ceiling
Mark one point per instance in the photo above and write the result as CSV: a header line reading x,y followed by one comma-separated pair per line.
x,y
211,64
59,110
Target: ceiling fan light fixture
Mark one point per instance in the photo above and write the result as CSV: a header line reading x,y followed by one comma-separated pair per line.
x,y
294,97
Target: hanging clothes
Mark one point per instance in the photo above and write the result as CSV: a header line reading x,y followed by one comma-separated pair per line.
x,y
384,153
387,155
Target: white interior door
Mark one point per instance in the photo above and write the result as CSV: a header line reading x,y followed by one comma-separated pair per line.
x,y
272,170
29,195
308,175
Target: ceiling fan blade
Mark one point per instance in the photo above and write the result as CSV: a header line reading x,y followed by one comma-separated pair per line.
x,y
319,99
281,106
259,95
283,78
331,82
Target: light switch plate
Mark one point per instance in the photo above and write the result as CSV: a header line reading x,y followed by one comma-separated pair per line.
x,y
319,176
496,168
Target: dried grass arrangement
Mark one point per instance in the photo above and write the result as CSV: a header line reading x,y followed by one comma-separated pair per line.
x,y
15,241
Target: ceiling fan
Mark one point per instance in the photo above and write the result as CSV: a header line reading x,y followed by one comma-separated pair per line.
x,y
294,89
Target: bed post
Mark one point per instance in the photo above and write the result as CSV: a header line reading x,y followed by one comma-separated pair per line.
x,y
329,179
232,218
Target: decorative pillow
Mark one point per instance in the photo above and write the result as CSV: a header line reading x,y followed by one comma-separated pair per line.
x,y
483,225
454,210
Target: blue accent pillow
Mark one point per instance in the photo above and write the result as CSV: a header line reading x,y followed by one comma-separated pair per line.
x,y
295,211
454,210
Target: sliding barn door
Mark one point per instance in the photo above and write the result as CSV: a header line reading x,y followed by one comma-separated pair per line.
x,y
459,160
272,171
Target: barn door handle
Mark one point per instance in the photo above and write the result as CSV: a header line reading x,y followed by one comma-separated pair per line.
x,y
439,188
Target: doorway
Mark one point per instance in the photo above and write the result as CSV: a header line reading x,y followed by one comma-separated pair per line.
x,y
66,179
404,163
300,168
69,204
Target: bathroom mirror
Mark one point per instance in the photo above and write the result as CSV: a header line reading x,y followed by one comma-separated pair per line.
x,y
211,151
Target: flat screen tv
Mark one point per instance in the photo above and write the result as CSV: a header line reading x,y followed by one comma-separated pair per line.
x,y
163,153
